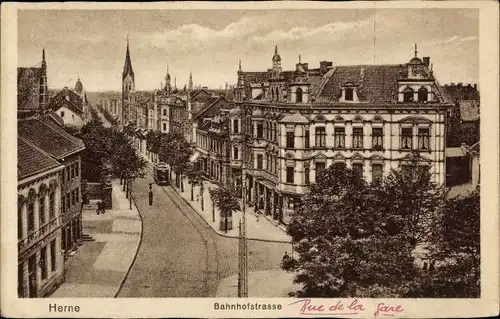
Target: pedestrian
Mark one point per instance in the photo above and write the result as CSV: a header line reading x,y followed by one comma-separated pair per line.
x,y
102,207
98,207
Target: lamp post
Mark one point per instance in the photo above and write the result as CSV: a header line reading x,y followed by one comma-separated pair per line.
x,y
150,194
130,194
202,192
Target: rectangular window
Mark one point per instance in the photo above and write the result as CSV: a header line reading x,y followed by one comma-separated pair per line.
x,y
275,132
406,138
349,96
53,255
377,173
320,167
236,126
259,130
41,210
276,164
259,161
77,169
72,169
306,175
31,217
164,112
20,222
290,175
339,137
306,139
43,262
164,126
423,138
235,153
320,137
290,139
52,205
357,169
377,138
20,279
357,137
68,201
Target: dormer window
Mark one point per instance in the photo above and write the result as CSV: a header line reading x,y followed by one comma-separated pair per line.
x,y
408,95
422,94
349,94
298,95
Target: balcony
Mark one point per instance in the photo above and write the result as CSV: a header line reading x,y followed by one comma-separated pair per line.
x,y
39,234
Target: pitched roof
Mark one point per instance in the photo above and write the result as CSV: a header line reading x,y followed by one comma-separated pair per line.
x,y
376,83
211,107
28,88
68,98
44,133
31,160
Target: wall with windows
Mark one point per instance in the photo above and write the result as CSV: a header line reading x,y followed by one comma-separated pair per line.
x,y
69,117
40,258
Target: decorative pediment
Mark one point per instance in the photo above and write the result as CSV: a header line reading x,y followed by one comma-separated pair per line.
x,y
377,158
357,157
415,120
339,157
413,156
289,156
320,156
319,118
338,119
358,118
378,118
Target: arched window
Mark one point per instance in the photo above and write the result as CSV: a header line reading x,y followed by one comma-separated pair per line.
x,y
272,94
277,94
422,94
408,95
298,94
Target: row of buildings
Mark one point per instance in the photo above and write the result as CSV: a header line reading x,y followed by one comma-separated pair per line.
x,y
276,130
49,217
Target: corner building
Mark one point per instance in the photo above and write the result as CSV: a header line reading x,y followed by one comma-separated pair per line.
x,y
288,126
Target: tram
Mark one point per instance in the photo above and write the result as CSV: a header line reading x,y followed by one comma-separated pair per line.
x,y
161,173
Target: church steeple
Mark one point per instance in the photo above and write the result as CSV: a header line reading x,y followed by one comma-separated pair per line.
x,y
127,67
190,85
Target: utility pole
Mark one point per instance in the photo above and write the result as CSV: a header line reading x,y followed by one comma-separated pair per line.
x,y
243,240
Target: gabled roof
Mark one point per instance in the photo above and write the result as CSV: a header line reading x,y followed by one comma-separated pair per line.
x,y
44,133
31,160
28,88
211,107
68,98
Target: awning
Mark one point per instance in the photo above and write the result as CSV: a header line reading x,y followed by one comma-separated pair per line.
x,y
194,157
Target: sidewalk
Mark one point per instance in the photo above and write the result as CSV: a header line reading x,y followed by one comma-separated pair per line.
x,y
261,284
99,267
259,227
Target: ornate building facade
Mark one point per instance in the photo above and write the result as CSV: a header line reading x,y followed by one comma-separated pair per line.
x,y
288,126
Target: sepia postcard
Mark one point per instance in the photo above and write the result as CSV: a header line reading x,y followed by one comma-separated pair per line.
x,y
250,159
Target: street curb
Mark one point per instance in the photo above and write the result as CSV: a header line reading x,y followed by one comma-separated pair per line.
x,y
136,250
228,236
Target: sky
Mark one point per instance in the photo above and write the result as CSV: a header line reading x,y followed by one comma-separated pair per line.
x,y
91,44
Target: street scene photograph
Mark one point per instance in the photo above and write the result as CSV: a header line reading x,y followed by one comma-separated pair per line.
x,y
294,153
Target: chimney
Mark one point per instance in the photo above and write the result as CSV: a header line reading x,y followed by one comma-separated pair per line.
x,y
323,66
305,66
475,86
459,85
427,61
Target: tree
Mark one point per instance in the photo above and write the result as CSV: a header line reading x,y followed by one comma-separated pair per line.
x,y
195,176
456,250
176,152
346,243
412,199
226,199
